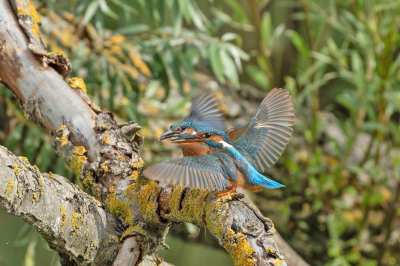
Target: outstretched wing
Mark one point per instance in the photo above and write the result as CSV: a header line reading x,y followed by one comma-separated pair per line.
x,y
269,130
202,172
205,113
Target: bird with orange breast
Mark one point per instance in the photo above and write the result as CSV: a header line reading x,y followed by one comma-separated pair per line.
x,y
240,162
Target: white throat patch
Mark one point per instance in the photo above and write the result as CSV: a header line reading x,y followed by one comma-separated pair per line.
x,y
225,145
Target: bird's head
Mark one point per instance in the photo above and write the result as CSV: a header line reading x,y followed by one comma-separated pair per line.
x,y
179,128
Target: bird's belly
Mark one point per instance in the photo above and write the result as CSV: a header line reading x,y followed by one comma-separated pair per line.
x,y
241,182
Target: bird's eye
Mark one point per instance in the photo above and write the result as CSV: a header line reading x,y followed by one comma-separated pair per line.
x,y
207,135
183,128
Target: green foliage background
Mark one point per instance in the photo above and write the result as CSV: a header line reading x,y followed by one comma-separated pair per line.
x,y
144,59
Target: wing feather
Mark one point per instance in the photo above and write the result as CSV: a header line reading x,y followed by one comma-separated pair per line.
x,y
269,130
206,114
202,172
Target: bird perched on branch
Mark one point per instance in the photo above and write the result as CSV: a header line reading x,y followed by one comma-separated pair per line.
x,y
264,139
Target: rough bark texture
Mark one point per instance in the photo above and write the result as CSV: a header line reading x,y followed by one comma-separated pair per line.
x,y
71,221
104,156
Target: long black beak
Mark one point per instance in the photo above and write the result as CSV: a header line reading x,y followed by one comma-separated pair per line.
x,y
169,134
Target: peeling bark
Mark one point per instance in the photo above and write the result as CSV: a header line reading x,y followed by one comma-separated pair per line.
x,y
105,158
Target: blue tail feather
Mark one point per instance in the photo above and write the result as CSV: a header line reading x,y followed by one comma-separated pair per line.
x,y
271,184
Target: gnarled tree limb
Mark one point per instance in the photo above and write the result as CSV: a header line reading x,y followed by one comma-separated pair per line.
x,y
105,157
71,221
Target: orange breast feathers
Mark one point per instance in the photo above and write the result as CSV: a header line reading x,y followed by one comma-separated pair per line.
x,y
241,182
193,149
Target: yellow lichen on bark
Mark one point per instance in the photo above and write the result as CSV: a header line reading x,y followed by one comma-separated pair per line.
x,y
64,140
30,11
238,247
216,217
77,83
78,160
145,192
63,220
131,230
9,189
117,207
16,169
192,209
277,262
77,221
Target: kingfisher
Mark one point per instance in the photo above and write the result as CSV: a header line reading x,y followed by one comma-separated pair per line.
x,y
260,145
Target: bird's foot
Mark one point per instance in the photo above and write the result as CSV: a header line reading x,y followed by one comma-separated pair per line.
x,y
232,189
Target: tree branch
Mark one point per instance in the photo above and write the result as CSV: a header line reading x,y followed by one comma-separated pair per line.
x,y
72,222
104,156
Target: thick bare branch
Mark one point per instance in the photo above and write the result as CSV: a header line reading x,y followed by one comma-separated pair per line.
x,y
46,98
72,222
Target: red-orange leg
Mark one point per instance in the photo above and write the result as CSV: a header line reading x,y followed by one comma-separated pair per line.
x,y
232,189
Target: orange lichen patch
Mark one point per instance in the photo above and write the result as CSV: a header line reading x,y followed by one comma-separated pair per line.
x,y
272,230
121,158
117,39
98,192
64,140
134,175
104,166
51,175
270,250
277,262
58,53
63,219
87,182
146,193
192,209
98,203
77,83
77,220
36,196
62,128
16,169
138,164
9,189
23,159
131,230
119,208
34,14
216,217
105,140
103,126
78,160
96,107
31,11
111,189
238,247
